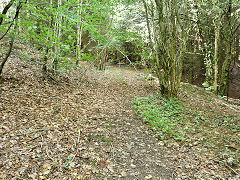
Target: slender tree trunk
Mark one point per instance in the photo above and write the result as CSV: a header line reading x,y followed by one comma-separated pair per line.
x,y
161,68
58,34
154,56
12,38
217,36
237,47
79,33
148,23
7,55
45,60
5,10
226,71
103,59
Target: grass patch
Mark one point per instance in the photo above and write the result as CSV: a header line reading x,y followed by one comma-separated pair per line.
x,y
165,116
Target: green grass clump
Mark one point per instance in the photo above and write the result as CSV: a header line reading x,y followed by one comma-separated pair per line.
x,y
163,115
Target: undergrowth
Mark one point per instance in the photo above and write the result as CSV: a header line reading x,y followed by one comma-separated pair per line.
x,y
163,115
196,121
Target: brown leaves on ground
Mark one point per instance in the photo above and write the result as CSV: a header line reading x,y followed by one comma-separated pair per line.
x,y
83,127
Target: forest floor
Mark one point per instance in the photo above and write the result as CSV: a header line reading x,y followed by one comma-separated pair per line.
x,y
82,125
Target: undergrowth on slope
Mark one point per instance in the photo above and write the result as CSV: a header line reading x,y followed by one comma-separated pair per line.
x,y
163,115
198,119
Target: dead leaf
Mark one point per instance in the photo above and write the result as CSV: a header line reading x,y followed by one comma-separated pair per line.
x,y
148,177
102,163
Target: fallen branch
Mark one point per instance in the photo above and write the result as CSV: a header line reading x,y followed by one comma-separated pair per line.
x,y
127,59
48,154
233,171
79,133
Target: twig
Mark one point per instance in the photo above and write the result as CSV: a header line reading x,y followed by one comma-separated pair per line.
x,y
33,139
231,168
48,154
79,133
31,149
75,144
127,59
230,106
42,142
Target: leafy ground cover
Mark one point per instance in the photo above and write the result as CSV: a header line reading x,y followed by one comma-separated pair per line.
x,y
82,125
202,119
163,115
195,125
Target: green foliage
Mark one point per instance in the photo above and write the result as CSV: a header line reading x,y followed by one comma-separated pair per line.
x,y
230,156
163,115
25,57
88,57
229,123
54,26
65,64
207,86
200,118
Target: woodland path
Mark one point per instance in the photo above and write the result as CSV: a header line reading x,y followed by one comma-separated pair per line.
x,y
84,127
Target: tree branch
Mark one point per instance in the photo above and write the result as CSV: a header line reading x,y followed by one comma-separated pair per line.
x,y
5,10
15,17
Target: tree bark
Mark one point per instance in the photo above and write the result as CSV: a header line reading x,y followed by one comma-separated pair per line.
x,y
58,34
226,71
45,60
224,82
217,36
12,38
7,55
168,49
79,34
148,23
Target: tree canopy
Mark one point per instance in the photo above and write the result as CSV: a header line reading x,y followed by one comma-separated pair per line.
x,y
163,35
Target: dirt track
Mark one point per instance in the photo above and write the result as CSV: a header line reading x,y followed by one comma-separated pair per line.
x,y
84,127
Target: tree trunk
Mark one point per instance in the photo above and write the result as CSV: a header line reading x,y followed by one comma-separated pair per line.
x,y
7,55
5,10
12,38
224,82
79,34
217,36
226,71
148,23
45,59
237,46
58,34
168,49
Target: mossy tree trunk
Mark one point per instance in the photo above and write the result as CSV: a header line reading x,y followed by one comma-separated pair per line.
x,y
169,45
224,81
216,49
225,72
